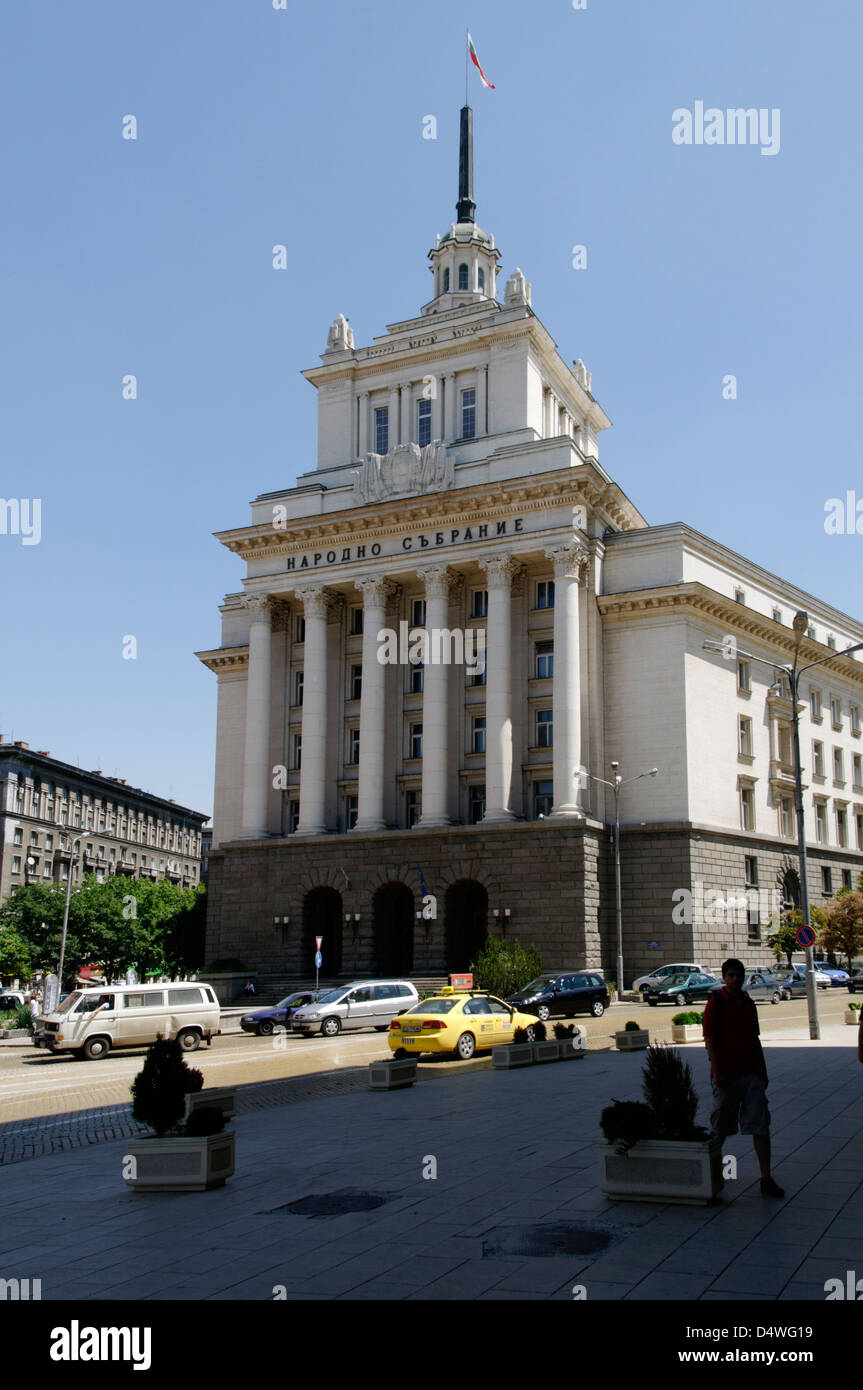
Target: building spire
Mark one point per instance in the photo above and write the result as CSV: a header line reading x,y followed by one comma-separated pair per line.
x,y
466,207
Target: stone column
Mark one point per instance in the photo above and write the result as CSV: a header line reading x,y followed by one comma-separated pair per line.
x,y
570,565
376,594
313,766
547,403
363,404
437,409
256,766
393,418
438,580
405,427
449,406
498,703
481,397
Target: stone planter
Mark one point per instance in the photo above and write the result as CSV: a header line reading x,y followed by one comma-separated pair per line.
x,y
852,1016
392,1075
662,1170
686,1033
546,1051
573,1047
633,1041
513,1055
21,1033
223,1098
181,1163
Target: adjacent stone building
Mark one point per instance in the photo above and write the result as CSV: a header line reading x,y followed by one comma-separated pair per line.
x,y
459,502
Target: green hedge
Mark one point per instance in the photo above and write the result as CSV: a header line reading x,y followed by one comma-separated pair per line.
x,y
690,1017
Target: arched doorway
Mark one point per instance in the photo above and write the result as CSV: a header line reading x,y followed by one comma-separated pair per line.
x,y
393,929
466,909
791,888
322,916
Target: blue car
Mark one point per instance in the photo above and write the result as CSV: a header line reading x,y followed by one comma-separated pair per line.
x,y
265,1021
837,977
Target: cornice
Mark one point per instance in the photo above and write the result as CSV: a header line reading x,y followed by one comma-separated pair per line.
x,y
223,659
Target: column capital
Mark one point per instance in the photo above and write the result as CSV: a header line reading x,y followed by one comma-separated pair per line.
x,y
438,580
499,570
258,606
571,561
377,591
316,600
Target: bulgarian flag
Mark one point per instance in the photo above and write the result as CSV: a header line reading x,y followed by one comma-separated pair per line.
x,y
472,51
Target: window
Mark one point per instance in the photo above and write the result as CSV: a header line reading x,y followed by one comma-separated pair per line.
x,y
478,734
815,703
810,632
831,641
418,612
463,277
416,741
747,808
836,712
100,853
301,630
351,811
744,678
544,728
784,739
382,429
739,596
153,999
298,752
417,679
423,423
545,593
413,807
356,682
744,747
480,279
786,817
34,837
817,759
842,827
49,841
298,688
777,615
479,676
16,864
446,280
293,816
46,871
838,765
543,799
544,660
479,603
827,882
821,822
356,622
858,782
855,720
353,745
18,837
859,819
477,803
468,414
750,864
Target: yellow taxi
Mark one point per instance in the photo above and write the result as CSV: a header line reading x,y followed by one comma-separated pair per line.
x,y
459,1021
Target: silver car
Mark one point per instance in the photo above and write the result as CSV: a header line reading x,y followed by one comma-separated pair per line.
x,y
363,1004
761,984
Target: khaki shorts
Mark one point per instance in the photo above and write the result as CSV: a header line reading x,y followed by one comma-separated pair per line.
x,y
743,1100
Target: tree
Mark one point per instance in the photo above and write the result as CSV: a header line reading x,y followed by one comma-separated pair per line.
x,y
843,932
14,953
783,939
504,967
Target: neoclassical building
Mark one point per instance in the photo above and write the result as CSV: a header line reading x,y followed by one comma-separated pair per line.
x,y
368,758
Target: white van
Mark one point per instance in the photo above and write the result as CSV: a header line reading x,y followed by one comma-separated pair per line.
x,y
90,1022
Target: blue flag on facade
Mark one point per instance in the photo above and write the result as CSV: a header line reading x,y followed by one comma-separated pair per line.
x,y
423,888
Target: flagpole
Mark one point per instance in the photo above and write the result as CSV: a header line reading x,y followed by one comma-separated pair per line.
x,y
466,62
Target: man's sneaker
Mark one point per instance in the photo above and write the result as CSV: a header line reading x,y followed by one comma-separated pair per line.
x,y
771,1189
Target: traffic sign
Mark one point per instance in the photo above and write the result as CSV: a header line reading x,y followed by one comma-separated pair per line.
x,y
319,941
319,960
805,937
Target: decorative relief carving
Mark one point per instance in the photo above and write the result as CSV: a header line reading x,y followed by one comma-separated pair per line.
x,y
405,469
571,561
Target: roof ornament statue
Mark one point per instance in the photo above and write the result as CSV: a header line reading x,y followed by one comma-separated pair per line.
x,y
517,289
581,374
341,336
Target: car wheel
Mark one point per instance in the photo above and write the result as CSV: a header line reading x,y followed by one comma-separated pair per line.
x,y
382,1027
786,994
680,1000
776,997
597,1008
653,1003
95,1048
543,1012
265,1029
331,1027
399,1054
189,1040
465,1047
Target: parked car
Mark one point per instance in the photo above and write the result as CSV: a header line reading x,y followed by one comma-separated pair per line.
x,y
363,1004
796,981
459,1021
761,985
683,989
837,977
93,1021
563,995
665,972
11,998
267,1020
855,982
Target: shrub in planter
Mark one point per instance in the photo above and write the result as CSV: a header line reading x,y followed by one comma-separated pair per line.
x,y
562,1031
624,1122
519,1035
855,1008
205,1120
540,1032
160,1088
669,1092
690,1018
632,1027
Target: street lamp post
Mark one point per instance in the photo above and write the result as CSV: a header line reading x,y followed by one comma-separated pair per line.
x,y
794,672
615,787
74,841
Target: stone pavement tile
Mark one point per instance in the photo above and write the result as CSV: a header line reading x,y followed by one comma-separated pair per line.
x,y
729,1297
546,1276
510,1296
816,1269
823,1200
766,1279
838,1247
799,1291
419,1270
692,1260
599,1290
684,1287
352,1273
83,1289
470,1280
617,1270
764,1252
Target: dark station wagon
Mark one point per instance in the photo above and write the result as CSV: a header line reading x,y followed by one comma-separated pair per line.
x,y
563,995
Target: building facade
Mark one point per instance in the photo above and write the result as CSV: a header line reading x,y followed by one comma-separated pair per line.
x,y
121,829
446,634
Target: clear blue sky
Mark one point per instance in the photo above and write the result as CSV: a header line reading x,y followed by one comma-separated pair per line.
x,y
304,127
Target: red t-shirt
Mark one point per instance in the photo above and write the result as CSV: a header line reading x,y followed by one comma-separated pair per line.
x,y
735,1038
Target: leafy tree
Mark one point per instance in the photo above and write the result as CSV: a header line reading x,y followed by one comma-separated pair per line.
x,y
783,939
844,930
505,967
159,1090
14,953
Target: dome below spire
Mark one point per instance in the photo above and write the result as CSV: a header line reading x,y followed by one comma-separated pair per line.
x,y
464,260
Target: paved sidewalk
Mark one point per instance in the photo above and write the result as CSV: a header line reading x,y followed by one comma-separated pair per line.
x,y
516,1179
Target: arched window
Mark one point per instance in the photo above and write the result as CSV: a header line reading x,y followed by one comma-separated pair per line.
x,y
446,279
462,277
481,280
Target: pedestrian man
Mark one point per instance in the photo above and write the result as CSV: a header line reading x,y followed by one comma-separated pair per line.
x,y
738,1070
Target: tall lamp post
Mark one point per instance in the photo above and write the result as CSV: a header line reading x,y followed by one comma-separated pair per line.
x,y
74,848
615,787
794,672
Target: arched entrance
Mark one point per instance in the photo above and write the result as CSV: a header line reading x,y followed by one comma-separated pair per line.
x,y
466,909
791,888
393,929
322,916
